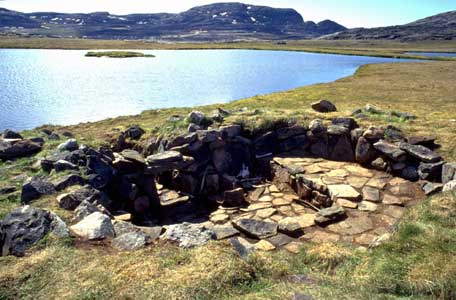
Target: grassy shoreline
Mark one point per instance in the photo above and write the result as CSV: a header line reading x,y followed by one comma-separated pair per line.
x,y
387,49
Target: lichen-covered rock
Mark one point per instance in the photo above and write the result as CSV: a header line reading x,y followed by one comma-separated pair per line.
x,y
188,235
96,226
129,241
25,226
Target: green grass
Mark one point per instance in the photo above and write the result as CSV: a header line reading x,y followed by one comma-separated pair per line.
x,y
117,54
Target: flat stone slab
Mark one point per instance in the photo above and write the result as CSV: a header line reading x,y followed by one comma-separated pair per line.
x,y
344,191
256,228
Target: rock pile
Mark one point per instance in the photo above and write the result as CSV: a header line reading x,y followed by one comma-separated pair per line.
x,y
181,179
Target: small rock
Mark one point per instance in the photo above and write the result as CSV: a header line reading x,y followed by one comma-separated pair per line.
x,y
242,246
255,228
134,132
188,235
224,232
85,209
69,145
450,186
448,172
300,296
35,188
9,134
63,165
96,226
67,181
420,152
198,118
367,206
129,241
364,151
371,194
343,191
323,106
330,214
264,245
430,188
391,150
430,171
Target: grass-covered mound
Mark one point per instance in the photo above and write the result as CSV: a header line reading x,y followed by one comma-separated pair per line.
x,y
117,54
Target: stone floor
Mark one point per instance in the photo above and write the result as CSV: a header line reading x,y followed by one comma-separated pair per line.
x,y
374,201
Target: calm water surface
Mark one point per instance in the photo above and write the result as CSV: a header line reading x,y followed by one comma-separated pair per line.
x,y
63,87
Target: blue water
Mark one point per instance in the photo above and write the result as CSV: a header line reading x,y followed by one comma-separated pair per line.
x,y
63,87
433,54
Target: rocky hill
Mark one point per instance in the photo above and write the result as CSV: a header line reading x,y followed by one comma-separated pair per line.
x,y
219,21
438,27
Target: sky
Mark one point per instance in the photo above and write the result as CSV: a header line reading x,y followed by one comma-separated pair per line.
x,y
350,13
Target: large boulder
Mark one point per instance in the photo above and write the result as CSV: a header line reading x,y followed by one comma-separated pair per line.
x,y
324,106
70,201
96,226
36,187
16,149
25,226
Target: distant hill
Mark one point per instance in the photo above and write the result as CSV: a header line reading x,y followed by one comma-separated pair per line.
x,y
438,27
219,21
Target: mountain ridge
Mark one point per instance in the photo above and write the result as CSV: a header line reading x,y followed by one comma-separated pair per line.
x,y
437,27
218,21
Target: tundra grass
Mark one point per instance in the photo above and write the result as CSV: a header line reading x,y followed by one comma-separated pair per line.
x,y
419,262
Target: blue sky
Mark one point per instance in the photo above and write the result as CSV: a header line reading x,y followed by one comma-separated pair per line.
x,y
351,13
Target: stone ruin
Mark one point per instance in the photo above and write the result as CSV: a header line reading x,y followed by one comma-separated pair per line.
x,y
264,191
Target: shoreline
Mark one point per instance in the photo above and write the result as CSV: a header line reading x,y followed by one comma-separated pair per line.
x,y
382,49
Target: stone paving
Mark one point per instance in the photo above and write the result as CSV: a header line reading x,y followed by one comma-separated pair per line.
x,y
348,203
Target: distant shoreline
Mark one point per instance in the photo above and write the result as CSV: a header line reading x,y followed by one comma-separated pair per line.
x,y
372,48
